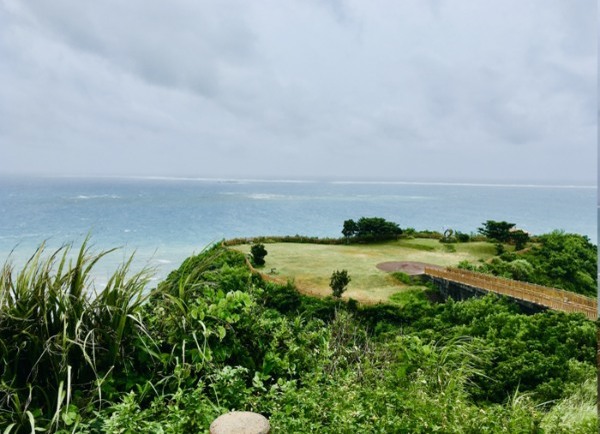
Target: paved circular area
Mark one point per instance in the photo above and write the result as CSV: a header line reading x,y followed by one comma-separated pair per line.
x,y
409,267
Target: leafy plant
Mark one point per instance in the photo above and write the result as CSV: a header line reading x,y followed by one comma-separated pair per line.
x,y
496,231
371,229
258,253
59,339
339,282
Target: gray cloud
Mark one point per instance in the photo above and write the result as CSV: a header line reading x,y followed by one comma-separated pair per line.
x,y
338,88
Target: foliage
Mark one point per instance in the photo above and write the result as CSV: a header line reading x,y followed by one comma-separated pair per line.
x,y
462,237
499,249
496,231
567,261
519,238
539,353
258,253
60,344
302,239
371,229
339,282
504,232
402,277
350,228
409,295
428,234
215,337
576,413
557,259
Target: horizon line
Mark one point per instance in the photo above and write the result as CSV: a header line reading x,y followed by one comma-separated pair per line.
x,y
524,184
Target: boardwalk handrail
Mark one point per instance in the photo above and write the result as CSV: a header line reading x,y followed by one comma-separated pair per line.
x,y
553,298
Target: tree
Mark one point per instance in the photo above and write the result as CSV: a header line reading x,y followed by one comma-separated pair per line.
x,y
498,231
377,228
339,282
258,253
371,229
350,228
519,238
567,261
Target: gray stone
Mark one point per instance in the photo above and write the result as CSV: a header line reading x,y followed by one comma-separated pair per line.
x,y
240,422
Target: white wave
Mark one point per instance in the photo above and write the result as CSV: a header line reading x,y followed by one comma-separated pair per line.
x,y
463,184
97,196
267,196
221,180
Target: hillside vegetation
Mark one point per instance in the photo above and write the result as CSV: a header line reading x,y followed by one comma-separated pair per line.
x,y
215,337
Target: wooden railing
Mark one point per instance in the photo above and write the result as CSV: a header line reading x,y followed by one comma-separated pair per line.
x,y
553,298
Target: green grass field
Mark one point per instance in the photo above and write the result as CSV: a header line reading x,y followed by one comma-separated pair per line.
x,y
310,265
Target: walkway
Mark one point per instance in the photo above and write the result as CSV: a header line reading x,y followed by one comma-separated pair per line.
x,y
553,298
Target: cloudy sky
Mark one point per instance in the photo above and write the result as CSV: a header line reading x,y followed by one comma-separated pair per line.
x,y
408,90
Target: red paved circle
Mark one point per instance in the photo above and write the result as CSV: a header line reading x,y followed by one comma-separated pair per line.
x,y
409,267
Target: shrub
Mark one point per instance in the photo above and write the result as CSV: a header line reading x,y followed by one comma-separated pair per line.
x,y
462,237
499,248
497,231
429,234
402,277
69,340
339,282
369,229
258,253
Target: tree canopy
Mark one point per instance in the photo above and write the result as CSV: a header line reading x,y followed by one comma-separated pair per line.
x,y
371,229
258,252
557,259
498,231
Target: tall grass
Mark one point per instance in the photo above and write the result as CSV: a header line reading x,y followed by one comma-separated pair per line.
x,y
60,339
575,414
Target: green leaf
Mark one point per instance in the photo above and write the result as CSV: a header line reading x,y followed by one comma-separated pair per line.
x,y
221,332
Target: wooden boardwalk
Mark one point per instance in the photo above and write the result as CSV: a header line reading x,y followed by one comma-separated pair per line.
x,y
553,298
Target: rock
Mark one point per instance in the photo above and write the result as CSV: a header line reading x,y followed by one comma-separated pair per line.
x,y
240,422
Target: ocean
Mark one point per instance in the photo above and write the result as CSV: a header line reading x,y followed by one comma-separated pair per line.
x,y
165,220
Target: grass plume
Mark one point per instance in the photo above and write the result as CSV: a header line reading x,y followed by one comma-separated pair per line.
x,y
59,336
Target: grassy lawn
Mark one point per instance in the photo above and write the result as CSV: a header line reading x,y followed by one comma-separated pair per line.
x,y
310,265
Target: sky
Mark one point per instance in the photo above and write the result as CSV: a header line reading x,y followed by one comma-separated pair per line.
x,y
469,90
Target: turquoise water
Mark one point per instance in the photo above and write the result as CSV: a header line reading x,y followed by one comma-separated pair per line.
x,y
166,220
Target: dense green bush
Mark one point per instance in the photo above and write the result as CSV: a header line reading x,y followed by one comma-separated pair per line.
x,y
557,259
258,253
370,229
61,343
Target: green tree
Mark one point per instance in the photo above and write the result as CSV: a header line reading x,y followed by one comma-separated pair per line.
x,y
498,231
339,282
350,228
377,228
568,261
521,269
258,252
519,238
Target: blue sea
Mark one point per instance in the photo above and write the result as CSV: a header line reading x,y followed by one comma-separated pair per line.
x,y
165,220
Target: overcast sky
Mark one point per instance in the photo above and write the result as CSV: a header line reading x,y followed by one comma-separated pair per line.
x,y
408,90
